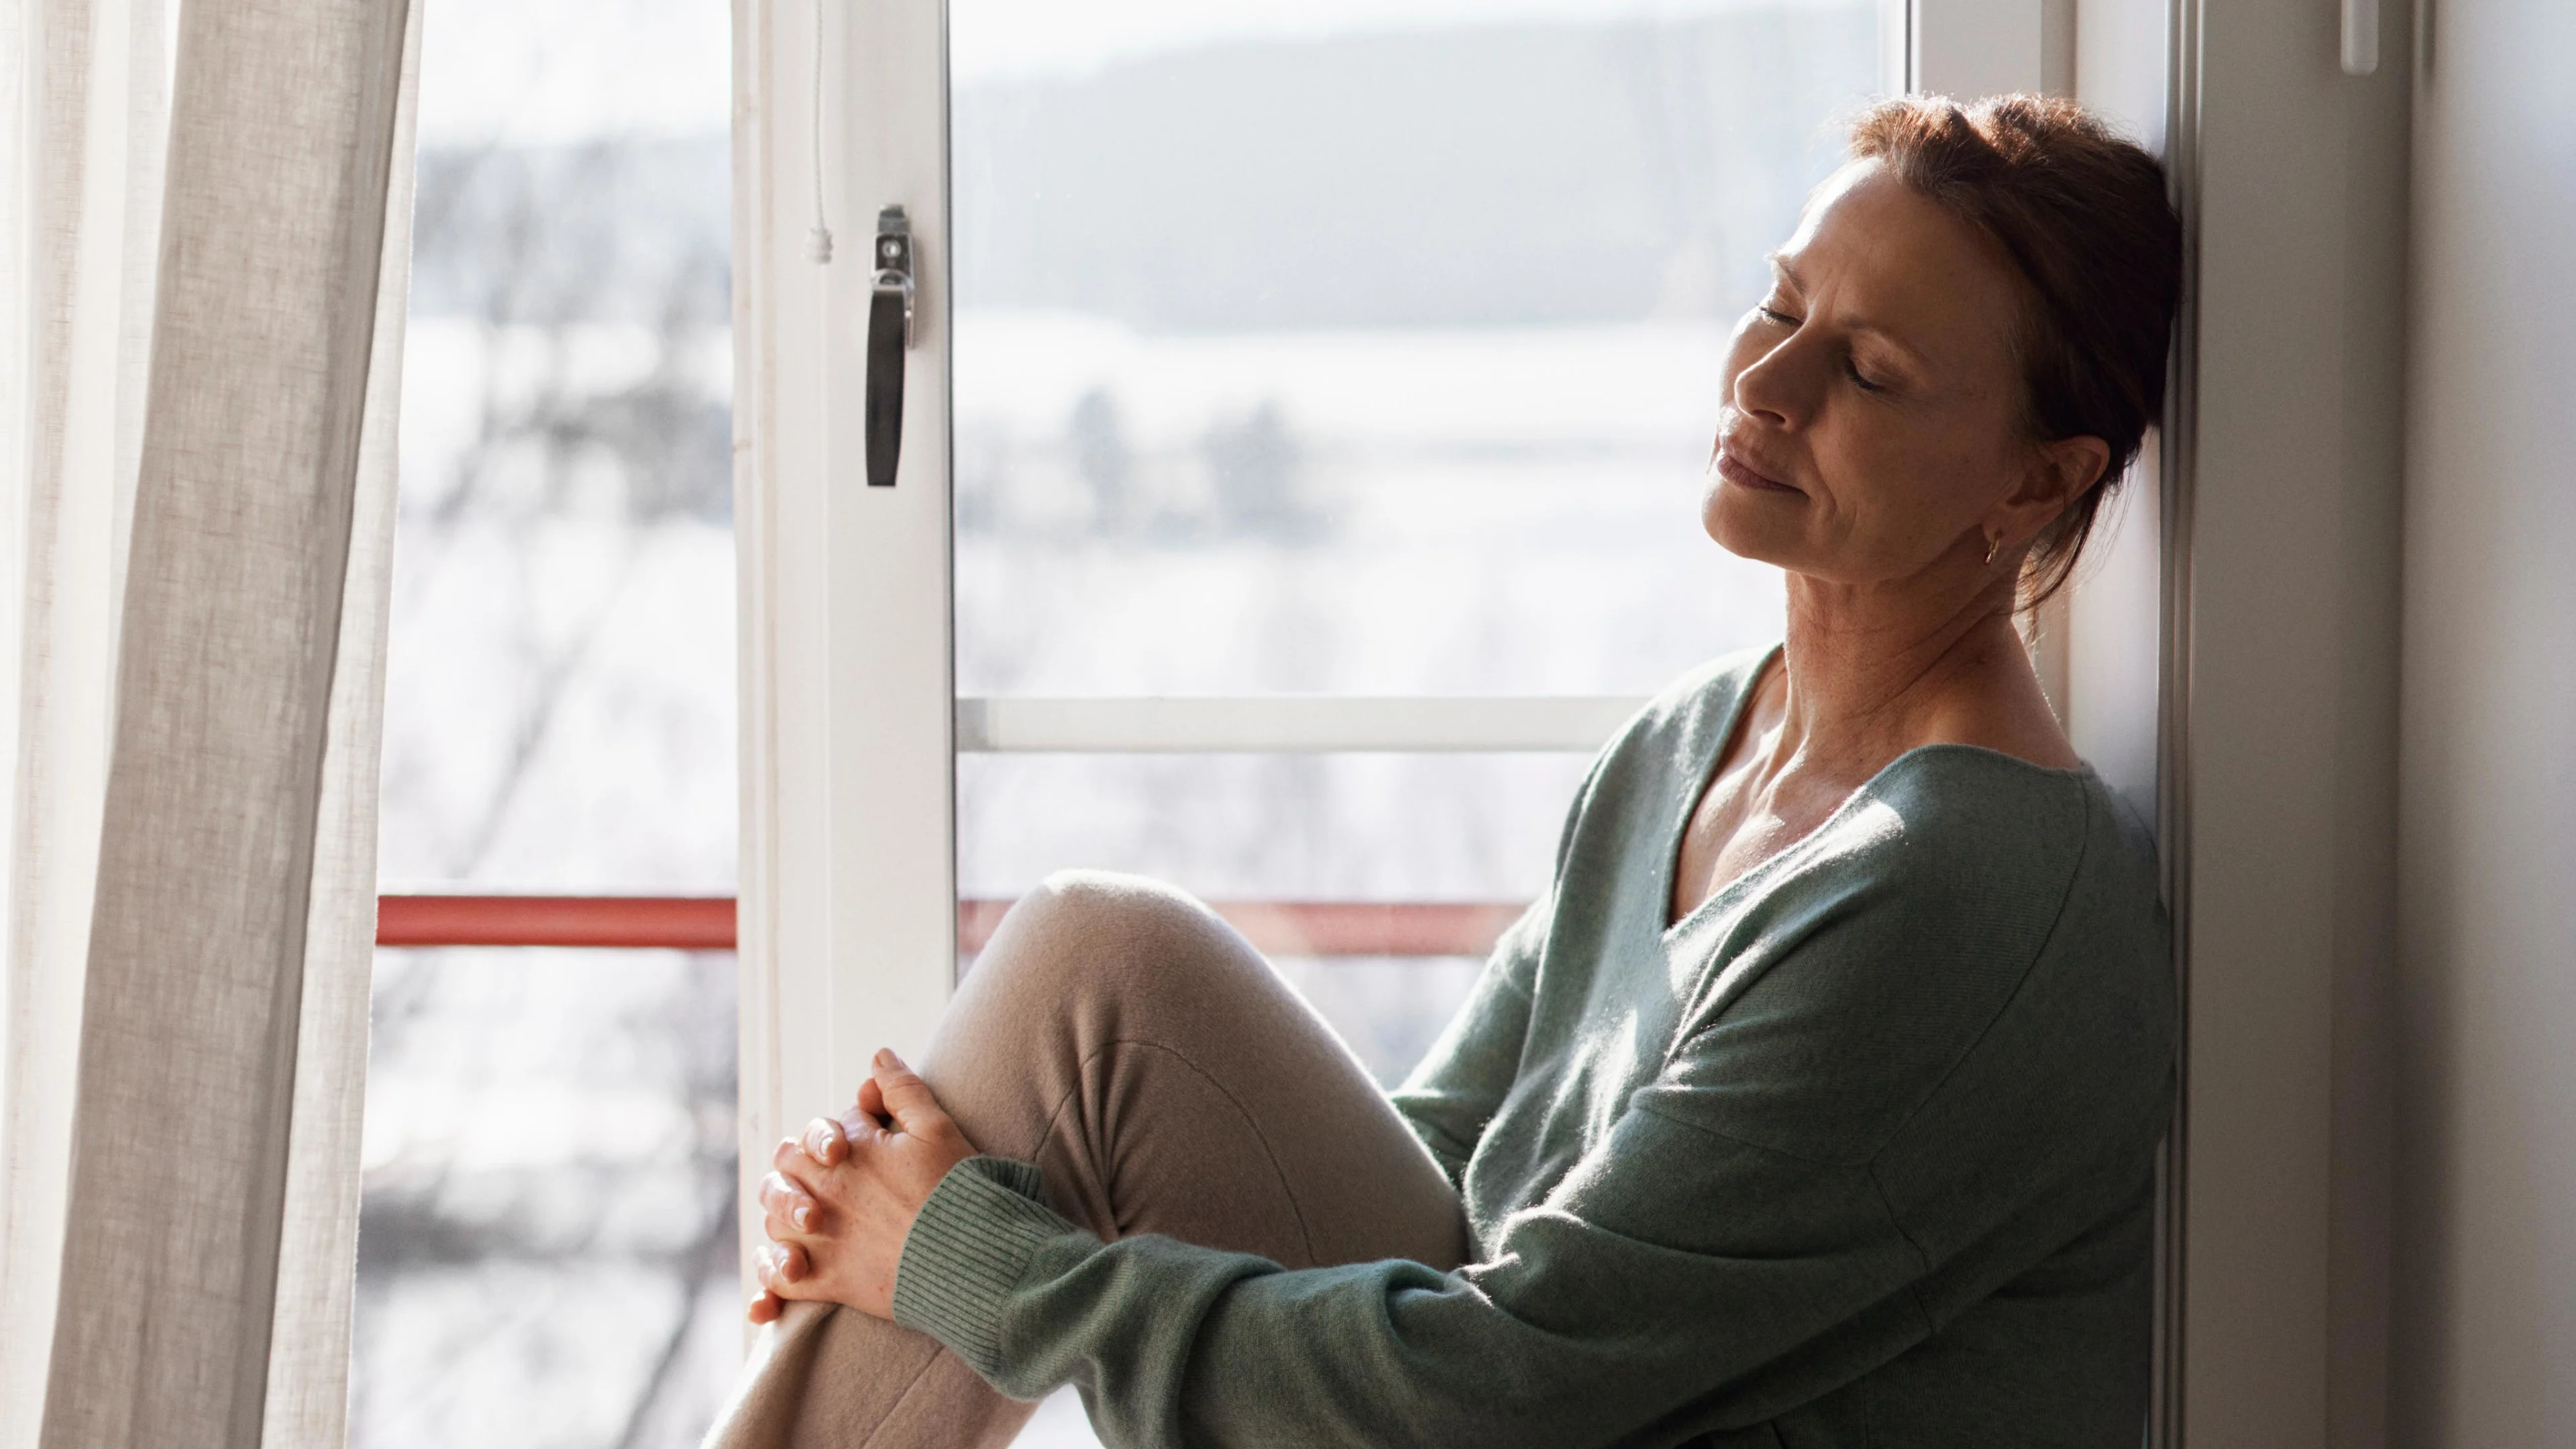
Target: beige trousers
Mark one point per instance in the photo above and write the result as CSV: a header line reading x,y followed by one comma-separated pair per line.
x,y
1120,1035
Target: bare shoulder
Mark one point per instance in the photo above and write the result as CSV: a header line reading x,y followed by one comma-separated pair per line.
x,y
2037,742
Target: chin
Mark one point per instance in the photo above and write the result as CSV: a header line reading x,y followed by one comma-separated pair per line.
x,y
1729,523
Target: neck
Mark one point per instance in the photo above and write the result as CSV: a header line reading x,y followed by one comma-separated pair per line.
x,y
1874,672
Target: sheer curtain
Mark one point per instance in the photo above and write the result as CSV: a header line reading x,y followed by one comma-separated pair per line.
x,y
203,248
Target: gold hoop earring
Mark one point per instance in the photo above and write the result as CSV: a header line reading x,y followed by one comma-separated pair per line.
x,y
1994,546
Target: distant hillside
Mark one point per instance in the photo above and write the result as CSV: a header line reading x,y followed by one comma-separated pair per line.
x,y
1456,177
1471,177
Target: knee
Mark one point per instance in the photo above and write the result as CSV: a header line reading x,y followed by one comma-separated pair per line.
x,y
1107,901
1086,925
1094,912
1089,959
1081,952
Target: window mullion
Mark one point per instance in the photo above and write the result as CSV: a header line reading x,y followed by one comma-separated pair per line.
x,y
848,882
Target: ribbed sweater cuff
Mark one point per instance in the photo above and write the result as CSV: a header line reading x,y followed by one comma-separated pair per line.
x,y
966,1252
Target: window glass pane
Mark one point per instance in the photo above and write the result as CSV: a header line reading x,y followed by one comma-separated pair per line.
x,y
546,1253
1400,829
546,1240
1289,827
1364,348
559,695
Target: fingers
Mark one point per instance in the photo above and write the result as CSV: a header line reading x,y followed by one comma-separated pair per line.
x,y
825,1141
780,1267
789,1209
765,1306
907,1098
872,1100
794,1162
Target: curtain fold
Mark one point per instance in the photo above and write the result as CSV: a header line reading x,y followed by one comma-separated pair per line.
x,y
204,307
90,116
308,1365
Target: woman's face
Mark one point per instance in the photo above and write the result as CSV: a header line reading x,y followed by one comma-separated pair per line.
x,y
1873,425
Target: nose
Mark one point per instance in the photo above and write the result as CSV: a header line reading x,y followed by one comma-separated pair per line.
x,y
1772,386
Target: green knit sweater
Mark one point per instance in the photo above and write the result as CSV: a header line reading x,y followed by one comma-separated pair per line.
x,y
1858,1153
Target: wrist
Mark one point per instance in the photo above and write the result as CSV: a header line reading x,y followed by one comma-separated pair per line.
x,y
967,1249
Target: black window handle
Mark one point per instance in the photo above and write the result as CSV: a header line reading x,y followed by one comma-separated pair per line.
x,y
889,337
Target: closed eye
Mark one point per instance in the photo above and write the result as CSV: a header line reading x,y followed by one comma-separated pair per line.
x,y
1774,314
1852,370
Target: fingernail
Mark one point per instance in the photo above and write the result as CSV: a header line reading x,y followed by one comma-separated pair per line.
x,y
886,1058
817,1143
804,1216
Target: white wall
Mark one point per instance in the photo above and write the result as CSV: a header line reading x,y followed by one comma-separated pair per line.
x,y
2114,612
2485,1344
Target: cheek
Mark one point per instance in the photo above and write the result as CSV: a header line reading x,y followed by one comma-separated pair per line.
x,y
1875,477
1890,497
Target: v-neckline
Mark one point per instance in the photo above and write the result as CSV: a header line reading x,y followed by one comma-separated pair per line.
x,y
1702,775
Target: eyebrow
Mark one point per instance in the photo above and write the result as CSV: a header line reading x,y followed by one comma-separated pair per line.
x,y
1780,264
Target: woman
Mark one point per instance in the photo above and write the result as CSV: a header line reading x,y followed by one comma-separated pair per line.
x,y
1816,1104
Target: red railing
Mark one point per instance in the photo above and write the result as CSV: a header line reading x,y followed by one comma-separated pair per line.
x,y
673,923
705,923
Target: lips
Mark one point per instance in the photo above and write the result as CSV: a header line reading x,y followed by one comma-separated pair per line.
x,y
1735,468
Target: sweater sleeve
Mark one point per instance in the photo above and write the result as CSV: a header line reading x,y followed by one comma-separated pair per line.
x,y
1718,1257
1451,1095
1462,1080
1596,1319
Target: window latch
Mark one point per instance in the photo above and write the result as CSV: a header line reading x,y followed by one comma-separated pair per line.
x,y
890,293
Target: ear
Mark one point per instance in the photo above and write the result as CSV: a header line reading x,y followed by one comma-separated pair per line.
x,y
2059,473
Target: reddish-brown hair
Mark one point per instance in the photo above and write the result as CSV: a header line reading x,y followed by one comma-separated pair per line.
x,y
2084,216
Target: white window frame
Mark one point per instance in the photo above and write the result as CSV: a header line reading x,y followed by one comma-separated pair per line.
x,y
847,936
848,929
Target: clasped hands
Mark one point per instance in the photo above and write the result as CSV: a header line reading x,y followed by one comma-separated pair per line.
x,y
842,1197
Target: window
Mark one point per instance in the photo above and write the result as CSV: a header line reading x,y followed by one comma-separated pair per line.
x,y
547,1233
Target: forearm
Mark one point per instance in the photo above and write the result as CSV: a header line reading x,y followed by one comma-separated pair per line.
x,y
1579,1331
1180,1344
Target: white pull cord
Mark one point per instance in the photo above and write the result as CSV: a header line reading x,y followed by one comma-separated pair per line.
x,y
818,242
